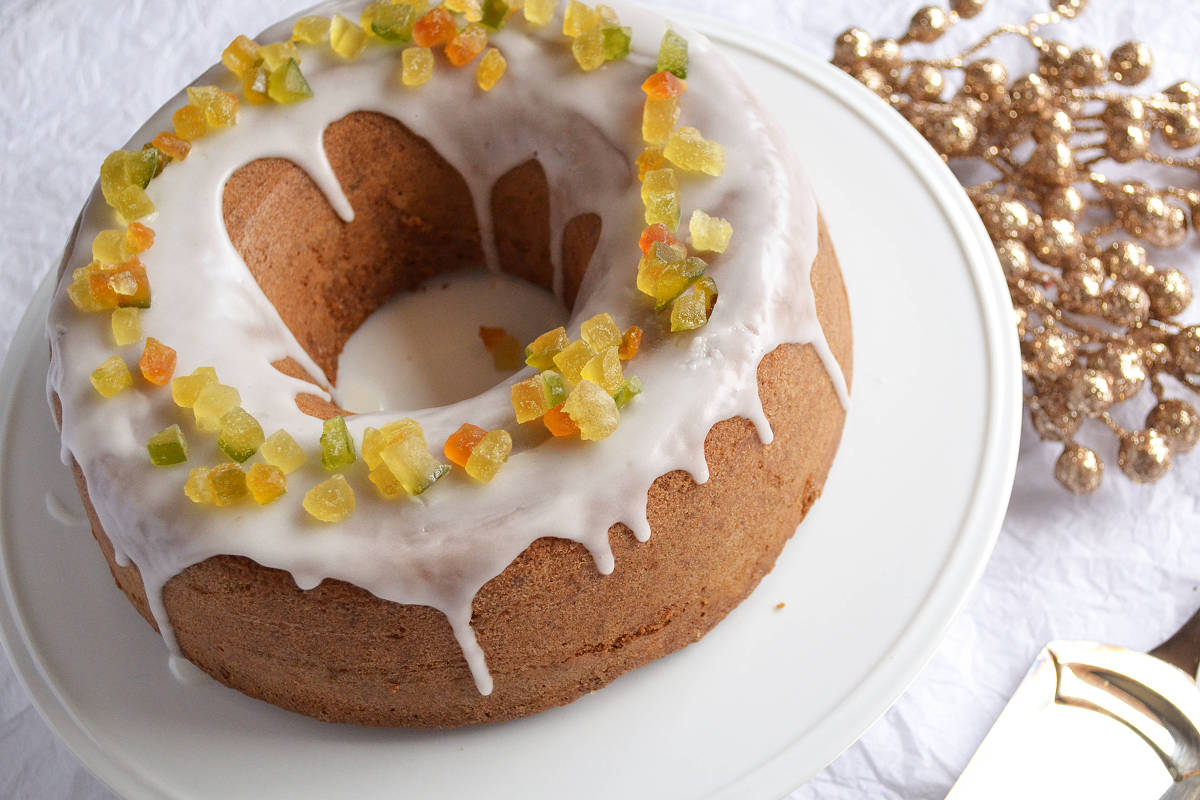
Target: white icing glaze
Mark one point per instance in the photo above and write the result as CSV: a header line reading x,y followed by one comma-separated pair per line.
x,y
440,548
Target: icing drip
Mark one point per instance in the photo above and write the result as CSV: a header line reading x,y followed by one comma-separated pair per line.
x,y
440,548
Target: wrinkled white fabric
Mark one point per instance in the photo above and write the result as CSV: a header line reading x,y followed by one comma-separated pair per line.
x,y
1122,566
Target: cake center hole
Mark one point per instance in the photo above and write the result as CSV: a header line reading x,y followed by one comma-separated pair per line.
x,y
422,348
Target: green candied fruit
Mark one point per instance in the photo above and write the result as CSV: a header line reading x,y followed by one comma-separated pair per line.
x,y
675,279
167,447
410,461
554,388
673,55
694,307
495,14
240,435
540,353
616,41
337,446
125,168
389,21
286,84
631,387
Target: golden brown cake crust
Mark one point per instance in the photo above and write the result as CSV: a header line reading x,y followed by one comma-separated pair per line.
x,y
551,626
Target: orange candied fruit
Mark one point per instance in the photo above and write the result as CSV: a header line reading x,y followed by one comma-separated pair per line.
x,y
631,342
651,158
174,146
434,28
559,423
189,123
466,44
664,84
658,232
139,237
157,362
460,443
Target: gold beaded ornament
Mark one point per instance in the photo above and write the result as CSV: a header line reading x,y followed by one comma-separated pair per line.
x,y
1095,317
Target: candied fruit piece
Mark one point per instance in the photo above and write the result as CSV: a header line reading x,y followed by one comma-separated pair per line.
x,y
660,194
659,116
101,294
593,410
494,14
579,18
175,147
460,443
657,232
386,482
80,292
588,49
471,9
631,387
346,38
286,84
374,441
241,56
604,370
129,284
189,122
600,331
689,150
132,203
126,326
671,280
228,483
559,423
197,488
505,348
673,55
280,450
528,401
657,258
709,234
186,388
413,465
631,342
212,403
553,387
276,55
111,247
311,29
112,377
664,84
157,362
337,446
649,159
167,447
615,41
124,168
266,483
434,28
240,435
416,65
607,14
466,44
693,308
540,353
489,455
539,12
139,237
254,86
491,69
571,360
331,500
391,22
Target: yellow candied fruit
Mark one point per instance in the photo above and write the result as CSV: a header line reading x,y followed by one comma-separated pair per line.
x,y
241,56
311,30
660,194
593,410
416,65
571,360
346,38
280,450
600,332
186,388
197,488
254,86
389,21
126,326
687,149
659,116
607,14
489,455
579,18
413,465
709,234
172,146
212,403
375,440
491,69
650,159
266,483
218,107
588,49
189,122
471,9
693,308
466,44
540,12
240,435
331,500
528,399
277,54
112,377
124,168
604,370
664,281
540,353
132,203
286,84
111,247
386,482
228,483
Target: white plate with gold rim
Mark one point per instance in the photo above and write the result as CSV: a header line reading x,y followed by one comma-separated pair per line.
x,y
871,581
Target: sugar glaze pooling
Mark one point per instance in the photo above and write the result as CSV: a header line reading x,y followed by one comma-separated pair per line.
x,y
440,548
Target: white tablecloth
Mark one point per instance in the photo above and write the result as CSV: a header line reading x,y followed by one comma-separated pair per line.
x,y
1119,567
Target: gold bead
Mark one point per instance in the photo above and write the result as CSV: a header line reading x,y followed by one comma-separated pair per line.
x,y
1049,354
1014,258
1127,142
1124,363
928,24
1079,469
1123,110
1183,92
1052,419
1087,66
886,57
1185,349
1148,216
1028,95
1081,292
1178,422
1170,292
1058,243
1068,8
1053,58
985,79
1057,124
952,135
852,47
1126,260
1126,304
873,79
966,8
1144,456
924,82
1181,129
1052,162
1063,202
1089,392
1004,219
1131,63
